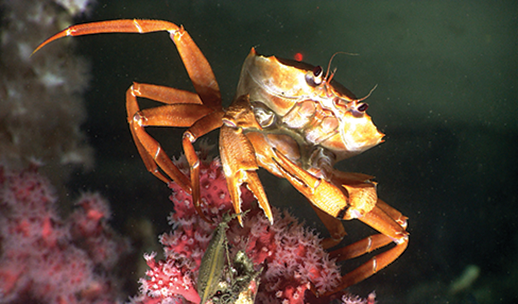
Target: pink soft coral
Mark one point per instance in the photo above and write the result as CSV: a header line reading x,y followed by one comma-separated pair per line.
x,y
47,259
290,255
352,299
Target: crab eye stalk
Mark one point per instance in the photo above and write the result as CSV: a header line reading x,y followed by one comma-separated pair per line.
x,y
314,78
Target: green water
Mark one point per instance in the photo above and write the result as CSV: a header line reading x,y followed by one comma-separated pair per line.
x,y
446,99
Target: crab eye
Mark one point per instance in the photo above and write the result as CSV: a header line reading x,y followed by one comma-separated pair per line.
x,y
314,78
362,107
317,71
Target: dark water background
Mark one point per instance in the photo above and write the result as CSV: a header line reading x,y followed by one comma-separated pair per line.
x,y
446,99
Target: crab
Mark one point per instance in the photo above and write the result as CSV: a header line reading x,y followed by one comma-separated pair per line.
x,y
288,118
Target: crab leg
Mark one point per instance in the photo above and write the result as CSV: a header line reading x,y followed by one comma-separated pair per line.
x,y
174,114
183,108
393,213
370,243
333,225
327,196
370,267
201,127
197,66
367,245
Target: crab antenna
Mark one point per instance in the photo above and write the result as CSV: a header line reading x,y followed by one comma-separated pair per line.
x,y
331,59
367,96
332,75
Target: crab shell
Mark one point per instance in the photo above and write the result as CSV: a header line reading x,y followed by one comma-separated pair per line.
x,y
287,100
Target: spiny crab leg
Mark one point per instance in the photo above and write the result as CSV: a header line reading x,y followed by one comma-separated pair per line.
x,y
201,127
376,241
199,119
369,244
172,114
325,195
191,113
196,64
182,108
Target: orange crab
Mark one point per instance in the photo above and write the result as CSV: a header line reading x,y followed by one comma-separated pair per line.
x,y
287,117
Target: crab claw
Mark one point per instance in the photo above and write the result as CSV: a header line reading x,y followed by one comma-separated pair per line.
x,y
239,165
321,193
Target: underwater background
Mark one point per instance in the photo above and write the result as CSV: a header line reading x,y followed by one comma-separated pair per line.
x,y
446,98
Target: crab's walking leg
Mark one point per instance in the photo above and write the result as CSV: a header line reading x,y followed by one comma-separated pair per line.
x,y
391,232
183,109
201,127
328,197
373,242
197,66
333,225
393,213
174,114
